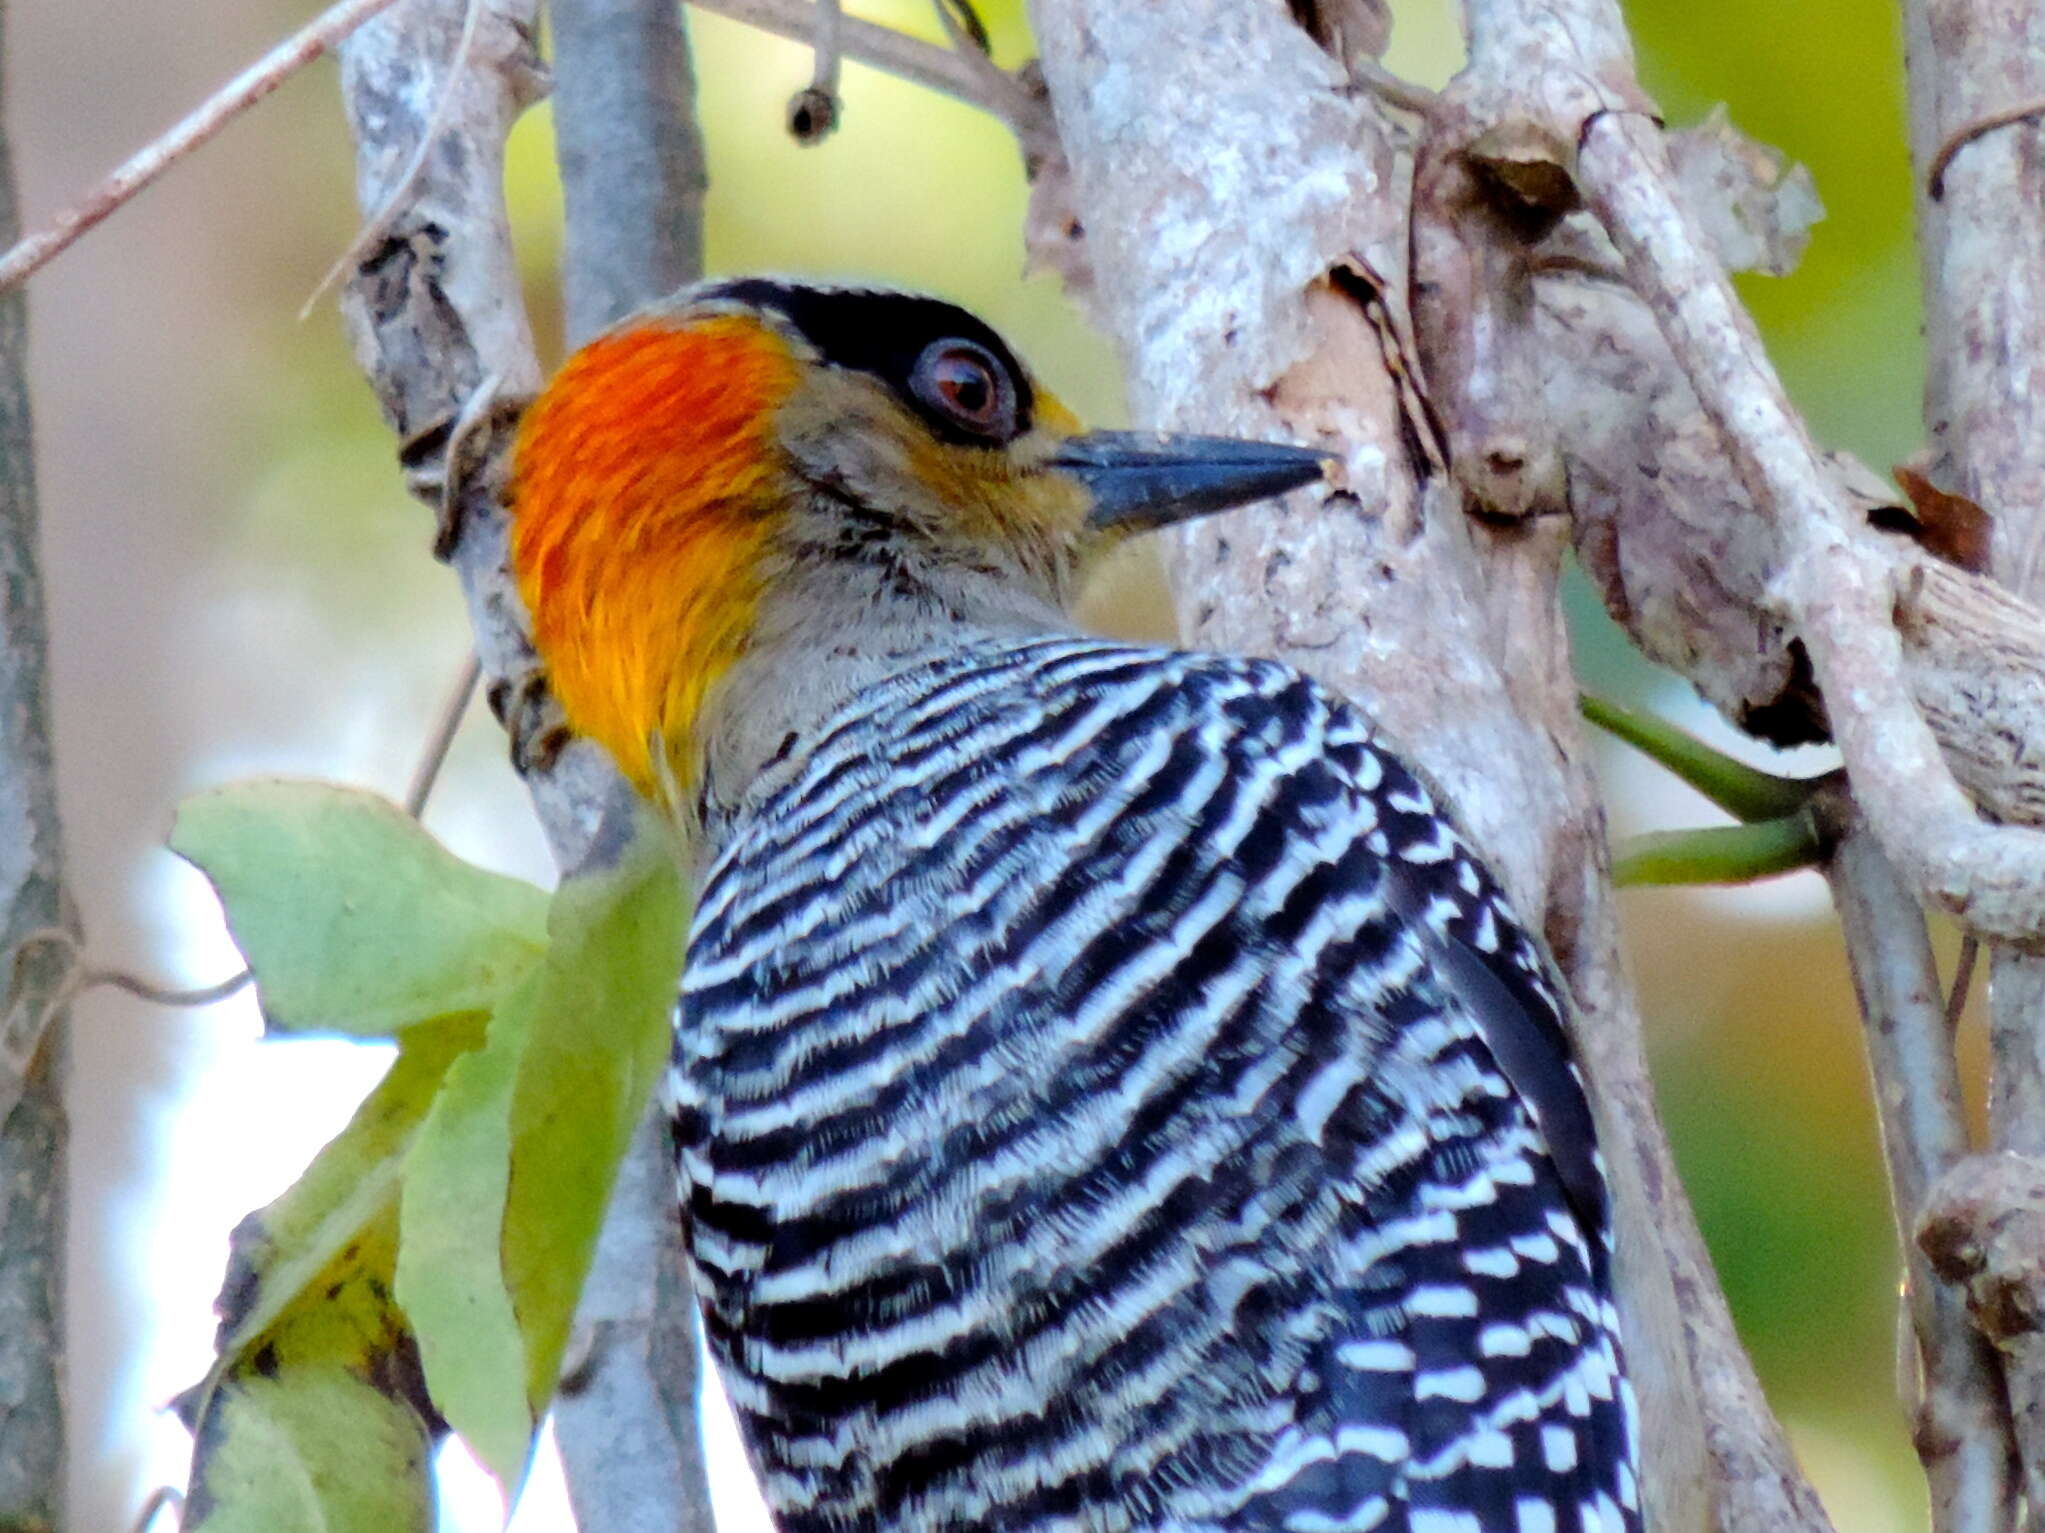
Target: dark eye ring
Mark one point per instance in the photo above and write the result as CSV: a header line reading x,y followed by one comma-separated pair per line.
x,y
965,386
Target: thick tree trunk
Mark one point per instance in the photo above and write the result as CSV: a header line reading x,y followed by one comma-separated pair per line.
x,y
1247,223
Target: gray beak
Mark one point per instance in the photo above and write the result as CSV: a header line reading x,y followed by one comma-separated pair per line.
x,y
1145,479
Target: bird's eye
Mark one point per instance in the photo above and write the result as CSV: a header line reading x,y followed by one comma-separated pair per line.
x,y
965,386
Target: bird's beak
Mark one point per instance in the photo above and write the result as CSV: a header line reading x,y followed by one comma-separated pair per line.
x,y
1145,479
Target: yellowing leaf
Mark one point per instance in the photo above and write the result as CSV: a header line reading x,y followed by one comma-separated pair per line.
x,y
279,1250
353,918
320,1451
314,1415
316,1423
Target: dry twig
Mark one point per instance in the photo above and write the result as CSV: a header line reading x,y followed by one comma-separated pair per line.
x,y
30,255
374,226
813,112
896,53
434,756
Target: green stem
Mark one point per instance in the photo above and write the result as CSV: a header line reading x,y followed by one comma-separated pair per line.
x,y
1721,854
1746,793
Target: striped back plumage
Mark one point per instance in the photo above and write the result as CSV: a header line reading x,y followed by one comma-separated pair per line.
x,y
1109,1095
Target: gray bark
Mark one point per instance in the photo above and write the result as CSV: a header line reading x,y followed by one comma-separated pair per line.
x,y
1268,269
38,953
1250,253
1961,1425
1981,226
631,157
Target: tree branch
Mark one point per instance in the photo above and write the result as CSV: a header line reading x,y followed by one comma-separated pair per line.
x,y
30,255
1273,302
33,1127
437,323
631,157
1840,602
897,53
1962,1427
632,171
1977,75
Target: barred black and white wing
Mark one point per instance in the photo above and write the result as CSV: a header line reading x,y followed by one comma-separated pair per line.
x,y
1110,1096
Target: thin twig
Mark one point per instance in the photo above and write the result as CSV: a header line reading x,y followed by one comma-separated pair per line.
x,y
1963,980
1393,90
1011,101
81,977
459,696
205,995
229,102
883,48
1961,137
1962,1428
378,225
163,1498
813,111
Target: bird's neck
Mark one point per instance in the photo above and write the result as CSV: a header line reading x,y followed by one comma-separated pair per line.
x,y
824,635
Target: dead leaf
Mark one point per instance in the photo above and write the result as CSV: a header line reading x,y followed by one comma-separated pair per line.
x,y
1950,526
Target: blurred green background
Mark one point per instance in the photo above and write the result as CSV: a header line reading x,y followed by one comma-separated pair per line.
x,y
239,585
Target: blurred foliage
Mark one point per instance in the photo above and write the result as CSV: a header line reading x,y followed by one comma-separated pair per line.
x,y
1754,1038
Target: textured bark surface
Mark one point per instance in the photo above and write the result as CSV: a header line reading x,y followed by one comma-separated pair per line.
x,y
1974,65
1961,1423
631,158
1251,258
438,326
1983,1230
38,951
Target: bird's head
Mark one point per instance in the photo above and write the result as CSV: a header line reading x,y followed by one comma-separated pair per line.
x,y
693,474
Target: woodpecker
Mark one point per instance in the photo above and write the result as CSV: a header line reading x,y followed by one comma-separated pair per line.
x,y
1108,1091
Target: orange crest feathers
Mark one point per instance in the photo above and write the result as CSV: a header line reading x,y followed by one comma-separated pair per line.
x,y
640,506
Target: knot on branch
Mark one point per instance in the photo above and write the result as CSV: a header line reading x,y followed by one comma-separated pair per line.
x,y
1983,1229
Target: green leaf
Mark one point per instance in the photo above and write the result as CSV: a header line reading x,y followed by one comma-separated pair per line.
x,y
450,1268
506,1187
353,918
1746,793
279,1250
320,1451
602,1031
1721,854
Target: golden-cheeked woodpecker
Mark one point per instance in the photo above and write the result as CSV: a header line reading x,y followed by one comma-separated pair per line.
x,y
1108,1093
